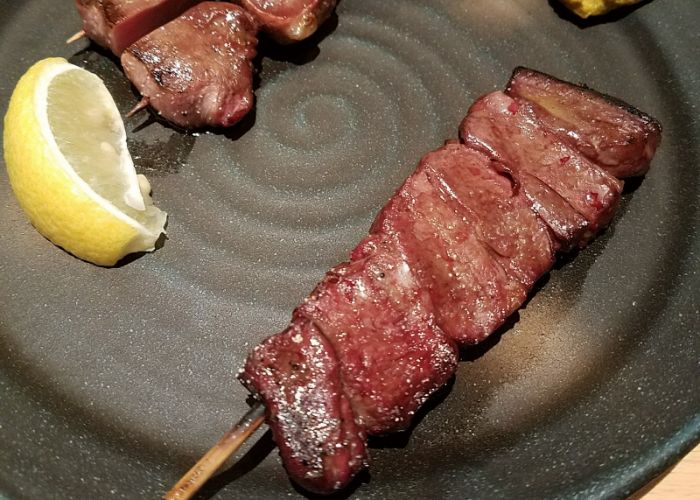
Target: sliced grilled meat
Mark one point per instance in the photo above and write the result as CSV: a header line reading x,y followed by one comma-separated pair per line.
x,y
450,256
289,21
116,24
296,373
616,136
470,291
501,213
196,71
508,129
379,320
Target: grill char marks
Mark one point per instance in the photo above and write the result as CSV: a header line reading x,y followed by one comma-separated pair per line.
x,y
296,374
379,320
289,21
619,138
116,24
197,71
548,170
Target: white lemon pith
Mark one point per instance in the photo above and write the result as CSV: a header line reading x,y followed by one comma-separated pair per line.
x,y
68,164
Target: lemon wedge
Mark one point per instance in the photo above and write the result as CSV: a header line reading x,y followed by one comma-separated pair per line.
x,y
70,169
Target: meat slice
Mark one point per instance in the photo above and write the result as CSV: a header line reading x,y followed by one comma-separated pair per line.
x,y
615,135
289,21
569,227
502,215
378,319
507,129
116,24
297,375
196,71
471,292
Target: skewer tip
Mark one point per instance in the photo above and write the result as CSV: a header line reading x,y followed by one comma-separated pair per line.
x,y
80,34
143,103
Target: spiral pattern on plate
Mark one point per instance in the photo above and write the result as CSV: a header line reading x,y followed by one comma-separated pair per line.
x,y
145,355
335,137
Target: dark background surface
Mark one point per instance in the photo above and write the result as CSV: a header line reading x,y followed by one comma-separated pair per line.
x,y
114,381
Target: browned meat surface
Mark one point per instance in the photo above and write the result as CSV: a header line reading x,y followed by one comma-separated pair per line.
x,y
116,24
507,129
471,292
289,21
196,71
379,321
616,136
296,374
503,216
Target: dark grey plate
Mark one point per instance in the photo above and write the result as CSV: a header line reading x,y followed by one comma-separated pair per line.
x,y
114,381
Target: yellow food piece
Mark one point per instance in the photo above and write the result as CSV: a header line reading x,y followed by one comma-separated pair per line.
x,y
586,8
69,167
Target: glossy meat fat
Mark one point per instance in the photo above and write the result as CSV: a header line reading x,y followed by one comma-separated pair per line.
x,y
289,21
617,137
508,130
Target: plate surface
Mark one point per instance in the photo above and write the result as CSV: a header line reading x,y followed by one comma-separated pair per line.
x,y
114,381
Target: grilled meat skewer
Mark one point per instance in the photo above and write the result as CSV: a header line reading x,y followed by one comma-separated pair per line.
x,y
196,71
454,252
195,68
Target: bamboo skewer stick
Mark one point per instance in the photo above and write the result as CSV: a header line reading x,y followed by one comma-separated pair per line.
x,y
190,483
80,34
143,103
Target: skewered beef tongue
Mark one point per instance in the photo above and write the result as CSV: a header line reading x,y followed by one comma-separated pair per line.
x,y
116,24
454,251
197,71
289,21
619,138
430,260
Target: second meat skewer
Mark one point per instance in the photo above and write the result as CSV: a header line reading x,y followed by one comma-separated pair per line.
x,y
191,60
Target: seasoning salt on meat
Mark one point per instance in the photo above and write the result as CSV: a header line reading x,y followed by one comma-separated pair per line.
x,y
379,319
297,375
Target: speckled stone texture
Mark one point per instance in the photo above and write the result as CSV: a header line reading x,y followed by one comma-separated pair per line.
x,y
114,381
